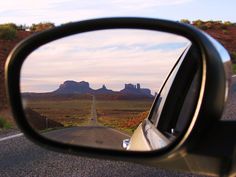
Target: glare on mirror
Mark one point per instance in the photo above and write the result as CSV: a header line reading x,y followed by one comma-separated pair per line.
x,y
96,88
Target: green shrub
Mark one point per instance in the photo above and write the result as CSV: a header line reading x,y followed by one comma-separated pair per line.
x,y
7,31
212,24
233,56
185,21
198,23
228,23
22,27
4,124
234,68
41,26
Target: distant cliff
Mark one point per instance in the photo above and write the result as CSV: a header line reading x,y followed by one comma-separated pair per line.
x,y
73,87
136,89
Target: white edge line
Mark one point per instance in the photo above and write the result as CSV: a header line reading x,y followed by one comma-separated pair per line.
x,y
117,131
12,136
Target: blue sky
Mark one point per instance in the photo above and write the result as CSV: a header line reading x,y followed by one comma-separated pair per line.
x,y
62,11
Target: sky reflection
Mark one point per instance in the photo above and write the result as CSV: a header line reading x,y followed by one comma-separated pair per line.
x,y
110,57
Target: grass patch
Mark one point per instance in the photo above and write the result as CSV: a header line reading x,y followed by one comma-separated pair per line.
x,y
7,31
4,124
234,68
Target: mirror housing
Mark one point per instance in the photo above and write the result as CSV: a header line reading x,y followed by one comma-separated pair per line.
x,y
211,100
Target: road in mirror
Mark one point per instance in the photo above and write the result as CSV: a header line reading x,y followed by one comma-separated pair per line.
x,y
95,88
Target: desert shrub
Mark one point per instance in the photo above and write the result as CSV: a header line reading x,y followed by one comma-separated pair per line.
x,y
202,25
228,23
212,24
233,56
185,21
234,68
11,25
4,124
8,31
198,23
41,26
22,27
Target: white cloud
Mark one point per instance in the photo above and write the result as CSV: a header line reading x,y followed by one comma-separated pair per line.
x,y
88,57
81,4
141,5
62,11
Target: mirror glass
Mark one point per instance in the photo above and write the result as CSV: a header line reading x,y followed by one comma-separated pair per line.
x,y
97,88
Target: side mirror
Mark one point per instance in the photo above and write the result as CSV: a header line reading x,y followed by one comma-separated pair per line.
x,y
88,87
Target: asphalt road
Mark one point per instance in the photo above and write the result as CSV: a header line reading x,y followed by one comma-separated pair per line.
x,y
96,136
20,157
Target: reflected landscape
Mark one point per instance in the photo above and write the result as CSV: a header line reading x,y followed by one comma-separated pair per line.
x,y
102,114
96,88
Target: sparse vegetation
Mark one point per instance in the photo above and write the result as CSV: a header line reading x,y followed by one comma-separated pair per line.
x,y
4,124
186,21
22,27
41,26
198,23
123,115
234,68
67,112
8,31
133,123
228,23
205,25
233,56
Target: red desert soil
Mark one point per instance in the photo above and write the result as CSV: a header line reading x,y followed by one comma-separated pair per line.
x,y
5,47
227,37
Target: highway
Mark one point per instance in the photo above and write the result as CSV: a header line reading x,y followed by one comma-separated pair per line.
x,y
20,157
92,135
96,136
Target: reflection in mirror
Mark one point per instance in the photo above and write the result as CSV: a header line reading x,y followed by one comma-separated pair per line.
x,y
96,88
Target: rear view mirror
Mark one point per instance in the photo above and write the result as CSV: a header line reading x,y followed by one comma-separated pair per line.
x,y
113,84
94,89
